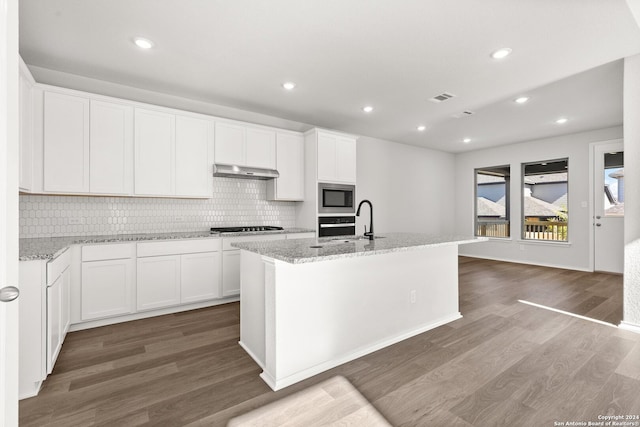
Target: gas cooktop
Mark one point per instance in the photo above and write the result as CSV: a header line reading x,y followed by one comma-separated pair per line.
x,y
244,228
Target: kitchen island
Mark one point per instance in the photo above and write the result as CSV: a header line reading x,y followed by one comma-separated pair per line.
x,y
309,305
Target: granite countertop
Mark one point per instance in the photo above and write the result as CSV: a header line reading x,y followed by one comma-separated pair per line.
x,y
46,248
312,250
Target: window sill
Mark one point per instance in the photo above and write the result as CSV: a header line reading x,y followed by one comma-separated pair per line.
x,y
544,243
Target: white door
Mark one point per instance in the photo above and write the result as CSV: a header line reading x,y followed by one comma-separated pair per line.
x,y
158,282
608,215
193,138
260,148
154,153
9,123
111,148
229,145
200,277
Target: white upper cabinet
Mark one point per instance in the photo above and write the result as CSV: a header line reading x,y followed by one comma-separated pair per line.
x,y
240,145
260,148
336,158
111,148
290,165
26,129
194,139
229,145
154,153
66,143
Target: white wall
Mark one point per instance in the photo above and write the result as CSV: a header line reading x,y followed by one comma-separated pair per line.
x,y
574,255
411,188
632,196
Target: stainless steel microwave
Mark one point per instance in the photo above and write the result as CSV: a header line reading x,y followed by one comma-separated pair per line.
x,y
336,198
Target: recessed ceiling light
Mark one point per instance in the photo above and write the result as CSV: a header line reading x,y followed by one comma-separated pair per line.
x,y
422,128
289,85
562,120
501,53
367,108
466,140
522,99
143,43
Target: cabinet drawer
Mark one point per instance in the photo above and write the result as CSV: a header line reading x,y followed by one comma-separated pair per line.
x,y
146,249
227,241
56,266
110,251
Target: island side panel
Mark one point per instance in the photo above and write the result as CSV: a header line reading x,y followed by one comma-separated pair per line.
x,y
326,313
252,306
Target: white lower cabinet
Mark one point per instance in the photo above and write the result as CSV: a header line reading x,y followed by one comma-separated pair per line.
x,y
200,276
158,282
58,305
177,272
231,273
107,288
108,280
231,260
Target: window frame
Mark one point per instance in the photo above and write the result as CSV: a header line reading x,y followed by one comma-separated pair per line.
x,y
507,194
523,217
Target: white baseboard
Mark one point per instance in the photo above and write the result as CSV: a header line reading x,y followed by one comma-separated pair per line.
x,y
145,314
541,264
627,326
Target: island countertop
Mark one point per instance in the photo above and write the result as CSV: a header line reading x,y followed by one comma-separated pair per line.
x,y
313,250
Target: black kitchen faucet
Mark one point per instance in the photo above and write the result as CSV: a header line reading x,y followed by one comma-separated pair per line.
x,y
370,233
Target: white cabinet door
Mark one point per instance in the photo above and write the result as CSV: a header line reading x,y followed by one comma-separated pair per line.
x,y
192,157
65,306
327,157
200,274
108,288
229,144
154,153
336,158
158,282
66,143
290,165
26,134
111,148
54,325
230,273
346,160
260,148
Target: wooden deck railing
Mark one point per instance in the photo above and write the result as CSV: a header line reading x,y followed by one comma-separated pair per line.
x,y
492,228
533,229
545,230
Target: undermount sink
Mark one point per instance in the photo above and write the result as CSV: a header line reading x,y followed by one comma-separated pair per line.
x,y
335,242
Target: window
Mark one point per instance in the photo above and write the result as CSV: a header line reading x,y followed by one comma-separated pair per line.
x,y
545,187
492,201
614,184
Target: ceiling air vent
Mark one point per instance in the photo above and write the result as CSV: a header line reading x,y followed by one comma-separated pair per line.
x,y
464,114
442,97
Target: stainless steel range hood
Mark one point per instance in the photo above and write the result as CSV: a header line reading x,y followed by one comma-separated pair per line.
x,y
234,171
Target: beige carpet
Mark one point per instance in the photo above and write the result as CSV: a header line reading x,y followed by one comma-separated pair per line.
x,y
334,402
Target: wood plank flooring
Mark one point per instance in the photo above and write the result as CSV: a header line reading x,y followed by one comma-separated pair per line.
x,y
503,363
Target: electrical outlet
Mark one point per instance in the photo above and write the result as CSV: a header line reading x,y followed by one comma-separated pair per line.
x,y
412,296
75,221
178,219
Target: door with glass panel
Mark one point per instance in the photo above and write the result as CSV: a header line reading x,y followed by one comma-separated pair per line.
x,y
608,215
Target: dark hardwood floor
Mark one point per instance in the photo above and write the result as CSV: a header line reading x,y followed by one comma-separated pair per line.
x,y
504,363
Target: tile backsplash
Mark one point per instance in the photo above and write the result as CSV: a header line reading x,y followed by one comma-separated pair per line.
x,y
234,202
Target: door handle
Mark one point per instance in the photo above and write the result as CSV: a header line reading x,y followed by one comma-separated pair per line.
x,y
598,224
9,293
598,217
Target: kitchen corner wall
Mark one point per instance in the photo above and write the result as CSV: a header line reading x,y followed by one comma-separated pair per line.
x,y
234,202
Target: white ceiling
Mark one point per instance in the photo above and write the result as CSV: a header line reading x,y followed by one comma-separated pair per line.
x,y
343,54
